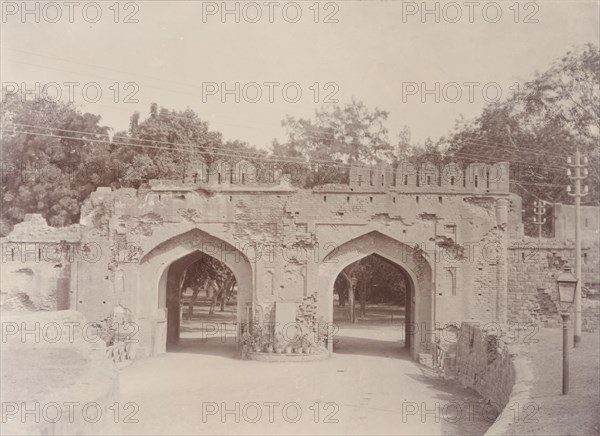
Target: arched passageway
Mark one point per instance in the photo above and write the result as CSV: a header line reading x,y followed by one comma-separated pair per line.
x,y
374,293
198,287
162,274
411,263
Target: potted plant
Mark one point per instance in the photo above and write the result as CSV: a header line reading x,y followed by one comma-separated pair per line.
x,y
256,347
323,337
245,343
279,343
255,339
269,347
311,344
288,348
297,347
306,339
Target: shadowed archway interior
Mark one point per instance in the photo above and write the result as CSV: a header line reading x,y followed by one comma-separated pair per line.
x,y
412,262
165,265
374,292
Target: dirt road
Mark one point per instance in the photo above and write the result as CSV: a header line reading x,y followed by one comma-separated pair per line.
x,y
370,386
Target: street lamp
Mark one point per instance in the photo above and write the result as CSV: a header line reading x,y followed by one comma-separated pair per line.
x,y
567,285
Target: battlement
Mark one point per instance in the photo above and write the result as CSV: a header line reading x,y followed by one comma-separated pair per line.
x,y
408,177
224,172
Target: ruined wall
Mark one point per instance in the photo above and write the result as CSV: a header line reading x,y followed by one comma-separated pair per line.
x,y
484,363
534,265
276,239
38,266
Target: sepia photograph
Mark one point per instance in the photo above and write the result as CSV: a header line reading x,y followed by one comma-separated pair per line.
x,y
310,217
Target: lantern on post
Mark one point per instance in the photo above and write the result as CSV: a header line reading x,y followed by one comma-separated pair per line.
x,y
566,283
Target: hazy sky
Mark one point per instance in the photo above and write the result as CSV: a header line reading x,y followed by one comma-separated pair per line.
x,y
373,53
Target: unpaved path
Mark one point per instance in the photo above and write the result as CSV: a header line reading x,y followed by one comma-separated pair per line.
x,y
370,386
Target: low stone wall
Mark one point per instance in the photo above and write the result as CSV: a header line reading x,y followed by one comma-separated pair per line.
x,y
484,363
491,361
56,379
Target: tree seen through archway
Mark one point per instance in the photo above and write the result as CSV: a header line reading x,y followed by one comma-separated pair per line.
x,y
371,280
211,277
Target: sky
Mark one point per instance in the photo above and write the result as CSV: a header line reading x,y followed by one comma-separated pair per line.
x,y
387,54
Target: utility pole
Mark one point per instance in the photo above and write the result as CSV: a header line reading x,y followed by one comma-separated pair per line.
x,y
578,166
539,210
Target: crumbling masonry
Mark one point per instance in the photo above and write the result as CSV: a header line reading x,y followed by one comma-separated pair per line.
x,y
449,231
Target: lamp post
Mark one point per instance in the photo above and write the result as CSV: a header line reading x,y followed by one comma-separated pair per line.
x,y
567,285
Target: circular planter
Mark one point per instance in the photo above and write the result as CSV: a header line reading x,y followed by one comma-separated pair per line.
x,y
274,357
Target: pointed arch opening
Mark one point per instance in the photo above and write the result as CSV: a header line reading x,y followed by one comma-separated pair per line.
x,y
416,318
165,279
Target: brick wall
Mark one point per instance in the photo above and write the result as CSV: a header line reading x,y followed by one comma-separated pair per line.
x,y
533,265
37,265
484,363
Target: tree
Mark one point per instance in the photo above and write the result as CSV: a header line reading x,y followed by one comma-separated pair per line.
x,y
169,142
204,273
54,156
164,144
352,134
376,280
538,127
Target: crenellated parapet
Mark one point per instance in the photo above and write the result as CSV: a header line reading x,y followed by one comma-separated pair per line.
x,y
225,172
428,177
475,178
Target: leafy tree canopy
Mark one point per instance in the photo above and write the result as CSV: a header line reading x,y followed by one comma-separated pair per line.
x,y
45,169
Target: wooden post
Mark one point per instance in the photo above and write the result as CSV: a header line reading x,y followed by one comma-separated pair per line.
x,y
363,300
565,362
351,286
